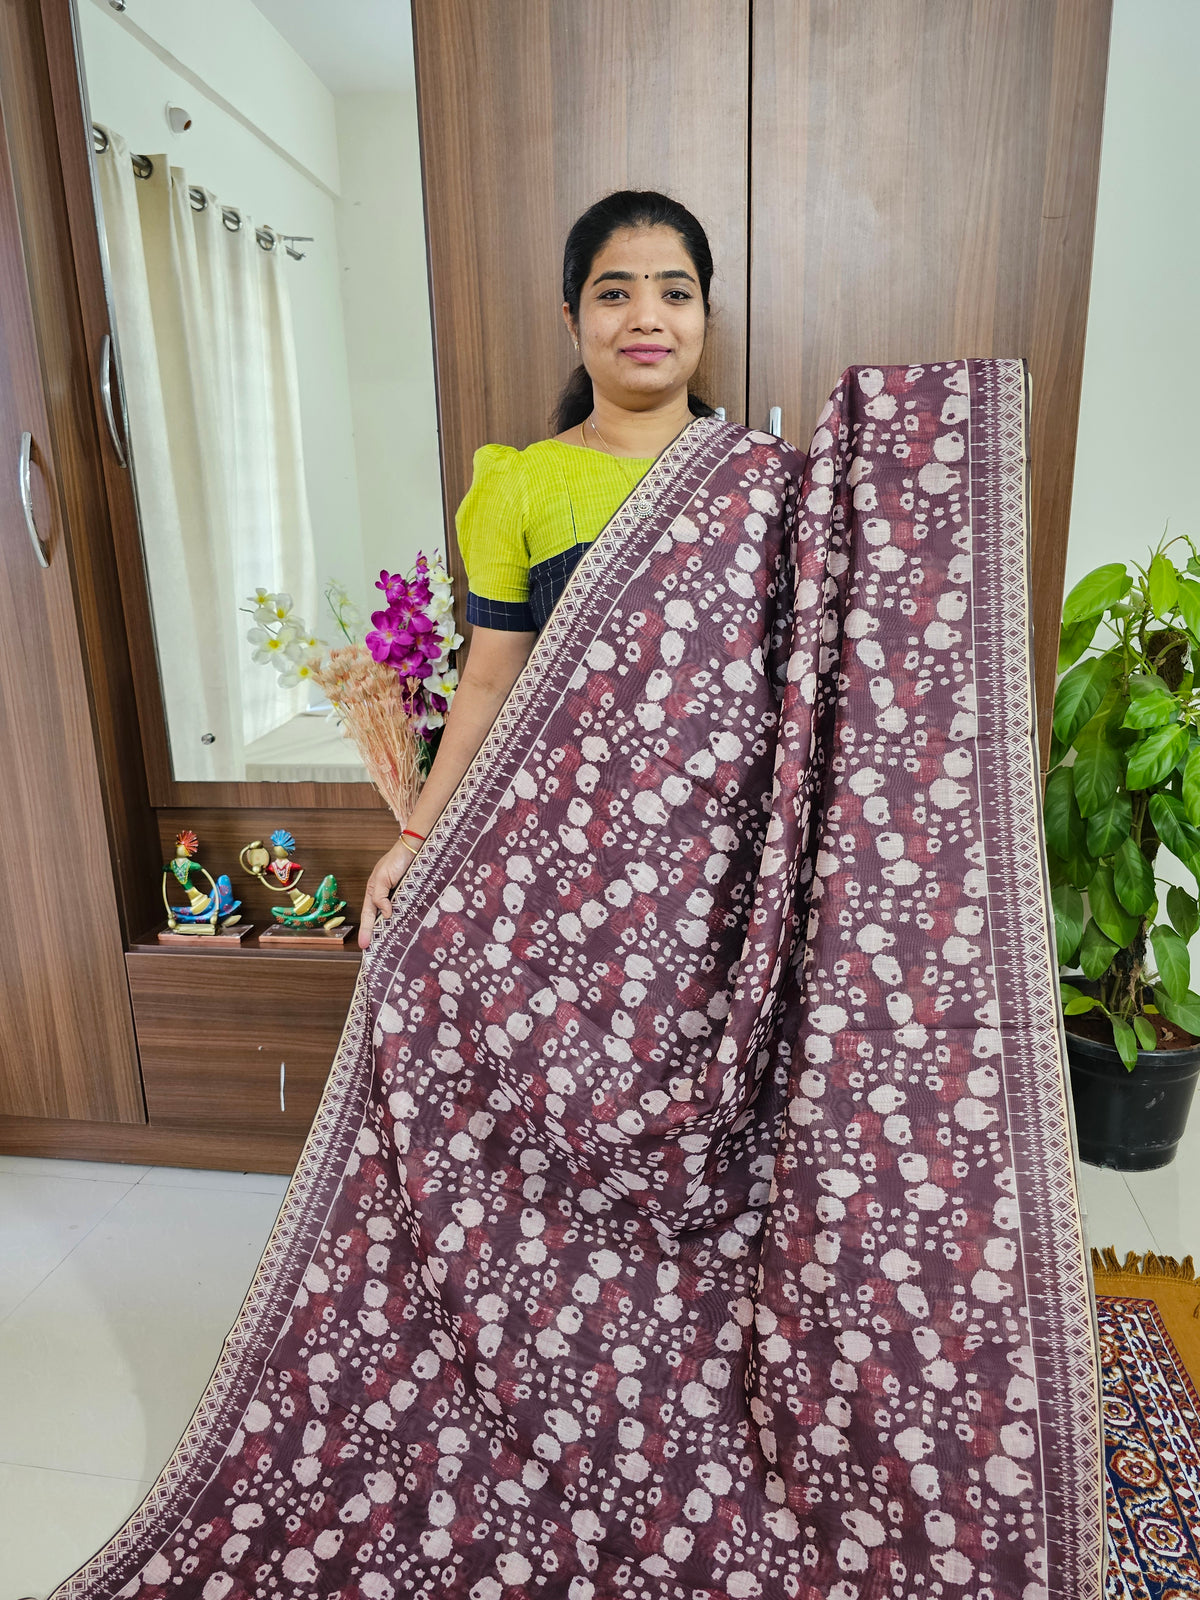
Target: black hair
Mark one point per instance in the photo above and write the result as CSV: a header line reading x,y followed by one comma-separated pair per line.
x,y
626,208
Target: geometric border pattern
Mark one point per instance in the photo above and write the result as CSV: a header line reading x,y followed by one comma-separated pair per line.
x,y
1058,1283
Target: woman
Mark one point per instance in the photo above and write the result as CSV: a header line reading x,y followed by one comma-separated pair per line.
x,y
636,275
689,1213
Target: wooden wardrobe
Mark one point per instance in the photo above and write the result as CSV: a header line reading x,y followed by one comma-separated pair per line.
x,y
880,183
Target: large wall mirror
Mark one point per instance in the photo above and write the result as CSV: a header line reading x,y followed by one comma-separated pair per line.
x,y
258,188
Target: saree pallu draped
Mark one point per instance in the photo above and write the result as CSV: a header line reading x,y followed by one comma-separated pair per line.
x,y
690,1211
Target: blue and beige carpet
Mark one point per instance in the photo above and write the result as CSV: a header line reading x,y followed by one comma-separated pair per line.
x,y
1149,1311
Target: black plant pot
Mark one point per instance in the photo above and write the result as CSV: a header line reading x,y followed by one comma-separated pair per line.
x,y
1132,1121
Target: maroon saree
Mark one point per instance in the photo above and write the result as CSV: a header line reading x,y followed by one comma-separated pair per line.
x,y
690,1212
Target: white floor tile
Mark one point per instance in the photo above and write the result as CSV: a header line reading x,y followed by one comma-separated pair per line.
x,y
1169,1199
42,1219
1110,1215
102,1365
91,1171
52,1522
234,1182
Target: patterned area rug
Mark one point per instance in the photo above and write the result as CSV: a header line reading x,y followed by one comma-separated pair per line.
x,y
1149,1310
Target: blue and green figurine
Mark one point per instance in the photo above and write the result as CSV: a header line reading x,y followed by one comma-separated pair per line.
x,y
205,915
317,915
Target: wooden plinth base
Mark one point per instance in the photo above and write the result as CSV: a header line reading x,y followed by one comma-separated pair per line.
x,y
281,939
225,941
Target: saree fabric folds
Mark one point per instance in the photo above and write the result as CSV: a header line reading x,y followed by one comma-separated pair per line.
x,y
690,1211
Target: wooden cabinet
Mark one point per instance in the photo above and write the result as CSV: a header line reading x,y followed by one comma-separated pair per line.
x,y
925,186
248,1050
67,1046
881,183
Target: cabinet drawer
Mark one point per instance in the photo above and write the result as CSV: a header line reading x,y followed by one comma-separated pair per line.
x,y
237,1044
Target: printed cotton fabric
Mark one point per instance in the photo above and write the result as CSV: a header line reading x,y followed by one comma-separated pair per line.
x,y
690,1212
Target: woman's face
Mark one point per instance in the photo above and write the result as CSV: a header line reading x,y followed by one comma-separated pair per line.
x,y
641,318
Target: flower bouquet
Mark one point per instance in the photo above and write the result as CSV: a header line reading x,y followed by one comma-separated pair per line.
x,y
390,690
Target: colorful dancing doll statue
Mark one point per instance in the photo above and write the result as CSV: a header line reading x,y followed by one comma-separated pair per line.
x,y
205,913
318,914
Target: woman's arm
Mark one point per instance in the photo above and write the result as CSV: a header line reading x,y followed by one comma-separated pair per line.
x,y
494,661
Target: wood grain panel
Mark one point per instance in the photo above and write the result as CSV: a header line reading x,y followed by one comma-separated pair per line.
x,y
529,111
347,845
161,1147
217,1034
924,186
67,370
237,1047
66,1044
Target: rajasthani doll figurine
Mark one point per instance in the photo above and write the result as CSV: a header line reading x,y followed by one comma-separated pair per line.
x,y
311,918
206,915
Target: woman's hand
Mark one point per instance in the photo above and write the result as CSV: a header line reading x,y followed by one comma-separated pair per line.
x,y
377,902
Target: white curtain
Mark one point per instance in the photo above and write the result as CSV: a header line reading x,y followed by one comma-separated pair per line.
x,y
204,333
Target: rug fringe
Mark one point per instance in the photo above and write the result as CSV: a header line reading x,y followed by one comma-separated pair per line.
x,y
1106,1264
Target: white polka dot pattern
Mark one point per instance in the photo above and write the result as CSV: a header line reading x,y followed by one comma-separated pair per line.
x,y
690,1212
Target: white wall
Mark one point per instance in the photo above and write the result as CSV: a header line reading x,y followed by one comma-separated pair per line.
x,y
389,347
1139,420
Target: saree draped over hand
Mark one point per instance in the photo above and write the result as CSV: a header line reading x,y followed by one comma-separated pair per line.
x,y
690,1211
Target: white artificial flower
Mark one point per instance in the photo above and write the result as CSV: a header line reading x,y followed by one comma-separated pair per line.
x,y
281,606
274,648
299,672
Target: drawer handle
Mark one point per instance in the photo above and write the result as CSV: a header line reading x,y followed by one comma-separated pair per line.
x,y
106,396
775,421
24,459
282,1080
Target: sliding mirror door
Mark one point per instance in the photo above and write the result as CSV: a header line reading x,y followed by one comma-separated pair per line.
x,y
269,380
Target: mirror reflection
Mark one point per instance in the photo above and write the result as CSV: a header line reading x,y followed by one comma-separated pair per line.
x,y
259,196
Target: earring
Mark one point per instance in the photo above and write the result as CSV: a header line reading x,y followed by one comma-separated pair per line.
x,y
577,344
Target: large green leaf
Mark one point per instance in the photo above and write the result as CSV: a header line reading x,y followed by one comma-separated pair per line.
x,y
1183,911
1173,828
1191,786
1095,593
1188,601
1120,926
1126,1042
1184,1013
1164,584
1174,963
1153,757
1096,951
1110,825
1152,704
1097,771
1074,1002
1068,921
1133,878
1074,640
1065,831
1080,694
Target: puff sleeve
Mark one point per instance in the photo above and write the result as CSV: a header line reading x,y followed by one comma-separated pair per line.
x,y
490,524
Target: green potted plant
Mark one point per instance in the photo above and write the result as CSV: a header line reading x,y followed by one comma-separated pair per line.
x,y
1125,783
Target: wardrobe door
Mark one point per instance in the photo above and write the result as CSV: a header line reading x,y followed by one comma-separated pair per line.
x,y
66,1027
924,186
529,111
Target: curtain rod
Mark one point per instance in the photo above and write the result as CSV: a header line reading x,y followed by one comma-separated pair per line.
x,y
266,237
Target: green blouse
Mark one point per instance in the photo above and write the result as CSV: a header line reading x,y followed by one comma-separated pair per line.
x,y
526,520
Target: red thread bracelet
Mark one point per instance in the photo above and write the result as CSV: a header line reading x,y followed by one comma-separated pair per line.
x,y
413,833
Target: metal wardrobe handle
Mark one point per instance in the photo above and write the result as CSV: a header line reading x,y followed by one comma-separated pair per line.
x,y
106,397
775,421
24,459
